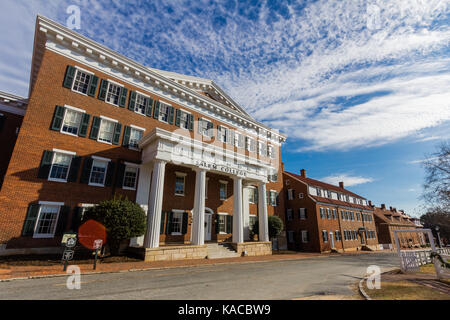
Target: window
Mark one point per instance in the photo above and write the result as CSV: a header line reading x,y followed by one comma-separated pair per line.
x,y
71,122
290,194
252,195
250,144
179,183
106,133
47,221
141,103
305,236
82,82
224,221
205,127
176,223
325,235
358,216
319,192
239,140
273,198
184,120
135,136
300,195
164,111
223,190
60,166
271,152
302,213
289,214
290,235
328,193
334,214
113,93
98,172
262,149
252,222
337,235
223,134
130,178
328,213
322,213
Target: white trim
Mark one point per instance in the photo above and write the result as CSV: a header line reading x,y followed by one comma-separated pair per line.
x,y
87,205
185,111
114,82
130,164
142,94
84,70
101,158
178,211
136,127
109,119
65,152
223,181
50,203
74,109
180,174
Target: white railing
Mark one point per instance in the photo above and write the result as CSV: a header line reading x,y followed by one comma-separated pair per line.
x,y
411,260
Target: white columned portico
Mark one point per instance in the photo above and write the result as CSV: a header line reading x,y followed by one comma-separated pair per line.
x,y
246,211
262,213
238,220
198,223
155,200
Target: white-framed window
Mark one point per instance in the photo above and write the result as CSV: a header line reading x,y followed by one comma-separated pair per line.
x,y
113,93
325,235
82,81
290,235
302,213
205,127
250,144
262,148
334,214
72,120
289,214
223,134
98,172
224,227
164,110
271,151
130,177
177,222
252,195
337,235
106,132
328,213
239,140
322,213
223,194
47,220
305,237
180,182
273,198
59,169
184,119
290,194
141,103
135,136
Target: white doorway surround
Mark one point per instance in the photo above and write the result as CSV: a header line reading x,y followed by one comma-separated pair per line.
x,y
208,223
332,240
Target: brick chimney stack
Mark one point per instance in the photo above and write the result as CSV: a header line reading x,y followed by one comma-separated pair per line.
x,y
370,203
303,173
390,207
383,206
341,185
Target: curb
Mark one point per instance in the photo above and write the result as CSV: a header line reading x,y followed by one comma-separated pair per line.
x,y
361,290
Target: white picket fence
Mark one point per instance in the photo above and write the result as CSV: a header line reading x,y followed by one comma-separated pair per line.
x,y
411,260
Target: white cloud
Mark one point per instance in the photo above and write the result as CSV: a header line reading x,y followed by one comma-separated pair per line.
x,y
348,179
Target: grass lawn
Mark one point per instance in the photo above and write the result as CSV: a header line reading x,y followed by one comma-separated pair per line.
x,y
404,290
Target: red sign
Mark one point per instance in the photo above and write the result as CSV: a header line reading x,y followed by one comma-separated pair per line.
x,y
89,234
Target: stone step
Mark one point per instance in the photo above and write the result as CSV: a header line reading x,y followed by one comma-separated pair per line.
x,y
220,250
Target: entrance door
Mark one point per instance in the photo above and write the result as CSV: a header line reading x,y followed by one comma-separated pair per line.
x,y
332,239
208,223
361,234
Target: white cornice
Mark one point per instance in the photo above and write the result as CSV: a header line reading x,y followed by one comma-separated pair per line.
x,y
70,39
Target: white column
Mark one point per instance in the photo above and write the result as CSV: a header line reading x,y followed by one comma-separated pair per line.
x,y
246,211
155,200
142,195
262,213
198,222
238,221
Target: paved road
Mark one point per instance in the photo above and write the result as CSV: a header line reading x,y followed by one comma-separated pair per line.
x,y
328,275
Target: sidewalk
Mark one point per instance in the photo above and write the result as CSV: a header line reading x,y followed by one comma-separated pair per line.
x,y
8,272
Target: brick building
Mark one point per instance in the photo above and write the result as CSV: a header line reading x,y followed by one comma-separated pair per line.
x,y
388,220
12,110
99,124
321,217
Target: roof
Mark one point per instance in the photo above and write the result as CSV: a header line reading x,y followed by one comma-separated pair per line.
x,y
383,213
341,203
324,185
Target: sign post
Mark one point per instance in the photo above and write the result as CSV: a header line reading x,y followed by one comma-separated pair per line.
x,y
69,241
92,235
97,246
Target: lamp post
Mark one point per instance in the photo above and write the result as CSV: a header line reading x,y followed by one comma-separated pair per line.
x,y
438,236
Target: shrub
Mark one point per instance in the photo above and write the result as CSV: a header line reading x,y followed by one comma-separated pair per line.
x,y
275,227
122,218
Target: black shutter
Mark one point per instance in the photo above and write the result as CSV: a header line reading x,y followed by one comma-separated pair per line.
x,y
120,175
117,132
84,125
156,111
103,89
184,226
132,102
74,168
58,118
278,199
191,122
229,224
169,223
46,163
126,136
69,77
93,86
86,173
163,217
123,97
76,219
177,118
149,107
30,220
171,114
109,174
217,224
62,220
95,128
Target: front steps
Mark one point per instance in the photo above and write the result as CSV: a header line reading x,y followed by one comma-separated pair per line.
x,y
220,251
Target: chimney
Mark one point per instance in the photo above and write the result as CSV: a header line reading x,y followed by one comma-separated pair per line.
x,y
303,173
383,206
390,207
370,203
341,185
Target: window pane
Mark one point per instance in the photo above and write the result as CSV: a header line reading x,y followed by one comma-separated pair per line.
x,y
47,220
98,172
71,121
179,185
135,137
60,166
141,103
81,83
184,120
113,94
177,220
164,112
130,177
106,131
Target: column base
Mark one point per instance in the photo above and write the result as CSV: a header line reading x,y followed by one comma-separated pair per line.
x,y
252,249
171,253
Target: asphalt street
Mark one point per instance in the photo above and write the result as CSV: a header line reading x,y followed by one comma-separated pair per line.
x,y
294,279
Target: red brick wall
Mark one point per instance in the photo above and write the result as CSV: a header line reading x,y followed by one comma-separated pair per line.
x,y
8,137
22,186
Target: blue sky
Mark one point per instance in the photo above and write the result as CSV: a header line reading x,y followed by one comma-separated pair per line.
x,y
360,87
